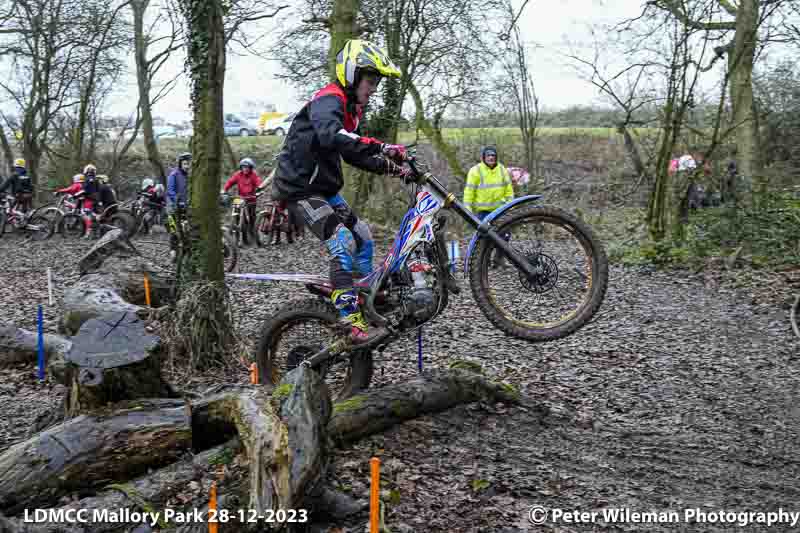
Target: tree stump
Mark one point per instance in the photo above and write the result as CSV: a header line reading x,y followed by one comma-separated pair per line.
x,y
113,359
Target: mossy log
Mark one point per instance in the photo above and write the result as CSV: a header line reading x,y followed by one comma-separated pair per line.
x,y
431,392
284,436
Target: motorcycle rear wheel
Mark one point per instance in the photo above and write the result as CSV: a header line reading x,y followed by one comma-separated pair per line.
x,y
299,330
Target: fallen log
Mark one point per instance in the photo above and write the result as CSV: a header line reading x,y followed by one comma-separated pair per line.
x,y
434,391
97,294
113,359
113,243
92,296
146,494
102,447
21,346
287,455
90,451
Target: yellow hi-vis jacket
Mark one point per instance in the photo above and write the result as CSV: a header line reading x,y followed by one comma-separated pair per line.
x,y
487,188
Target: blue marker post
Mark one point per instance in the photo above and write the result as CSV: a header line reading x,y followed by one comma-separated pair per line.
x,y
41,344
419,346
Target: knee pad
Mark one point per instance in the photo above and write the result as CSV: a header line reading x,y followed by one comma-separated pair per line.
x,y
342,241
362,232
342,247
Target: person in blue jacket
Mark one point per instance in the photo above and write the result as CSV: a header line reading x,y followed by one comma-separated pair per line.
x,y
177,185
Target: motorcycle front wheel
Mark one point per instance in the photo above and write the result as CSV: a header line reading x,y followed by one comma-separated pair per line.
x,y
570,281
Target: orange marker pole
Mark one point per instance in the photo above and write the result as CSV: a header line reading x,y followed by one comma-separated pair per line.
x,y
374,495
147,290
253,374
212,508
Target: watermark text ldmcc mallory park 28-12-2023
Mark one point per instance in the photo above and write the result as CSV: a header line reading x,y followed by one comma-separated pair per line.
x,y
540,515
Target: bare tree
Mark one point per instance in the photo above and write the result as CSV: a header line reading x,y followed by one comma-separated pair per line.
x,y
664,60
440,46
146,42
100,58
46,55
517,81
738,24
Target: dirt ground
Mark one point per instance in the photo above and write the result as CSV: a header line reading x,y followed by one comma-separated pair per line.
x,y
682,393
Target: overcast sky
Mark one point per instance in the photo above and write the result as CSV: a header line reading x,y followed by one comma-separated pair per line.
x,y
545,22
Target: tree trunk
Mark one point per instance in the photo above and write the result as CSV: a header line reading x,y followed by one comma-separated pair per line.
x,y
139,8
8,155
659,204
211,334
434,391
343,27
113,359
78,132
435,134
632,149
740,67
207,55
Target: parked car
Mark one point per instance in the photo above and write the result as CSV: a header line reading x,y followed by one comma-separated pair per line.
x,y
164,132
235,126
279,126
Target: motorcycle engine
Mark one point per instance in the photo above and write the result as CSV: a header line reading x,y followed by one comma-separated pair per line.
x,y
418,299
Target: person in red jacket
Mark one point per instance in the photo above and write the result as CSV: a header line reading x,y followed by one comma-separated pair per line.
x,y
248,182
75,188
79,193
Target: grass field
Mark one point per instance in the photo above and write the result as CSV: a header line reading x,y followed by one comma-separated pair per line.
x,y
271,143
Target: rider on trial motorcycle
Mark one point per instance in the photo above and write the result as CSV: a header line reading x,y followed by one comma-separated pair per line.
x,y
309,171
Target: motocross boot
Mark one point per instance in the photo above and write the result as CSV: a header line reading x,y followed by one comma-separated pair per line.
x,y
346,301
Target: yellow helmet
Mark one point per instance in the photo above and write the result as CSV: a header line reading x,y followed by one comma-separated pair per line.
x,y
90,168
358,54
102,178
78,178
20,163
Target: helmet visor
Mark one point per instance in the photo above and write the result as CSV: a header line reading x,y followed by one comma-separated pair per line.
x,y
372,78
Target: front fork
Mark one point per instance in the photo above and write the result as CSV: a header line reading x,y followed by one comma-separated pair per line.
x,y
445,263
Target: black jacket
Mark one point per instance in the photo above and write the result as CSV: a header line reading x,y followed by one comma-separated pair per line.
x,y
321,134
18,184
107,196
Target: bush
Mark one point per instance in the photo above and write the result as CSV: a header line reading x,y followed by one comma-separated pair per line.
x,y
768,231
